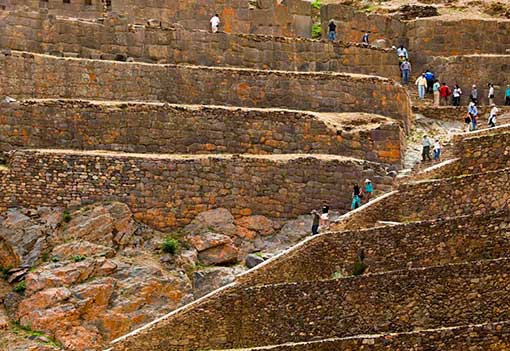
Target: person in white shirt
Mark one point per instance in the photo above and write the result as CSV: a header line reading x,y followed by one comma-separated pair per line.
x,y
215,23
491,94
421,82
492,116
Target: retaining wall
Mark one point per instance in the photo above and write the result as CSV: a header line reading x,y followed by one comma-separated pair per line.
x,y
413,245
40,76
394,302
440,198
46,34
480,337
162,128
287,18
168,191
74,8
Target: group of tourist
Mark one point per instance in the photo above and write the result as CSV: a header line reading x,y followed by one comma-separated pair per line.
x,y
320,219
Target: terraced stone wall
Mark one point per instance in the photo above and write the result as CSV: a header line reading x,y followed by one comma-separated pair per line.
x,y
43,34
474,69
479,153
452,113
391,248
42,76
425,37
74,8
452,37
168,191
161,128
276,17
352,24
440,198
398,302
491,336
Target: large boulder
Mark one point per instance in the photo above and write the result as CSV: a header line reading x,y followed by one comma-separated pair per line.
x,y
109,225
219,220
210,279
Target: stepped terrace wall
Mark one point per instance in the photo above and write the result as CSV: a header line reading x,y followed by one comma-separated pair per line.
x,y
45,34
167,191
413,245
287,18
479,337
41,76
163,128
446,36
440,198
394,302
479,153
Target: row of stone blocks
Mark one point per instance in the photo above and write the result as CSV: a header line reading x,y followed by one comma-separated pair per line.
x,y
39,33
39,76
181,129
168,191
399,301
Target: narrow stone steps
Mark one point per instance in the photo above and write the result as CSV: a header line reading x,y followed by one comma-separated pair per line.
x,y
400,301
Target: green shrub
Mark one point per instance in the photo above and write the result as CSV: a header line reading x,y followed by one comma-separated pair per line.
x,y
316,4
359,268
4,271
20,287
78,258
316,31
170,245
66,217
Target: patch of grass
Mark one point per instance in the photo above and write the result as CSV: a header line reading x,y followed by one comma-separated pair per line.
x,y
66,217
78,258
170,245
4,271
359,268
316,4
337,275
316,31
20,287
55,259
19,329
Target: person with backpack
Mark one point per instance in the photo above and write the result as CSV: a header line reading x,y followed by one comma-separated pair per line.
x,y
457,92
444,93
365,40
332,30
430,77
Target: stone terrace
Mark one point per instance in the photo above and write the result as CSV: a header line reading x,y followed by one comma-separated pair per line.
x,y
424,276
163,128
46,34
40,76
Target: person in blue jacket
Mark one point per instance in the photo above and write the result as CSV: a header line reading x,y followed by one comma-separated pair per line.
x,y
430,77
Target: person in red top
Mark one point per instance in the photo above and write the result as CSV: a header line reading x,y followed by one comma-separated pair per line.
x,y
444,92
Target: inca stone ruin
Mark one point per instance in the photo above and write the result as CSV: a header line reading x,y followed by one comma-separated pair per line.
x,y
159,179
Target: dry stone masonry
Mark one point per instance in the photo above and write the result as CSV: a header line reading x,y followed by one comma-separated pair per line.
x,y
146,162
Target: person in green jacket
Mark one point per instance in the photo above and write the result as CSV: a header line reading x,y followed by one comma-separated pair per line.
x,y
507,95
